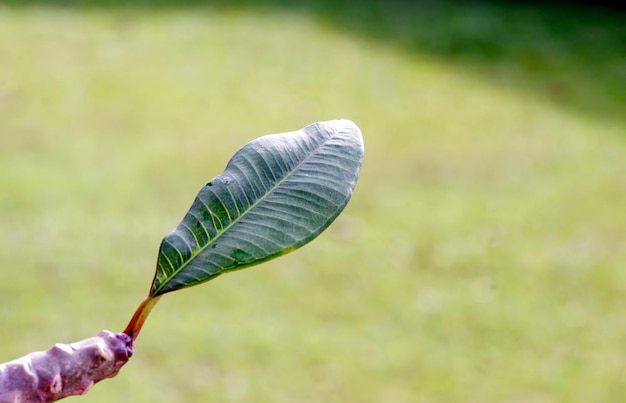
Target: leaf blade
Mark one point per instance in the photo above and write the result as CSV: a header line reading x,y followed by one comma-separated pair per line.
x,y
277,193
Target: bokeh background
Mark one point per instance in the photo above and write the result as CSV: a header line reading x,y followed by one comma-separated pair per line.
x,y
481,259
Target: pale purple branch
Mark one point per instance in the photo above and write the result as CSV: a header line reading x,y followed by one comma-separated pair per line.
x,y
64,369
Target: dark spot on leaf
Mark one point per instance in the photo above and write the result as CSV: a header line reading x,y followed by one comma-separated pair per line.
x,y
210,184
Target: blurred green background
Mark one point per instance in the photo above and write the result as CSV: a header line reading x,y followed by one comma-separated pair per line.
x,y
481,259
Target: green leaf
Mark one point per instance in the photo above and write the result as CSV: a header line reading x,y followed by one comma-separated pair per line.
x,y
277,193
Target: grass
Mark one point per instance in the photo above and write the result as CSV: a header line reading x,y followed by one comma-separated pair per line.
x,y
481,258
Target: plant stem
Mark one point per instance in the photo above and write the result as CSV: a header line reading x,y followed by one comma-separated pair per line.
x,y
64,369
140,316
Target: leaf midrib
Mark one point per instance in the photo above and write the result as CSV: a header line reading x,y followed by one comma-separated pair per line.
x,y
233,222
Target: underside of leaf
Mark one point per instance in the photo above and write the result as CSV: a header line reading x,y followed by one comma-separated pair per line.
x,y
276,194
